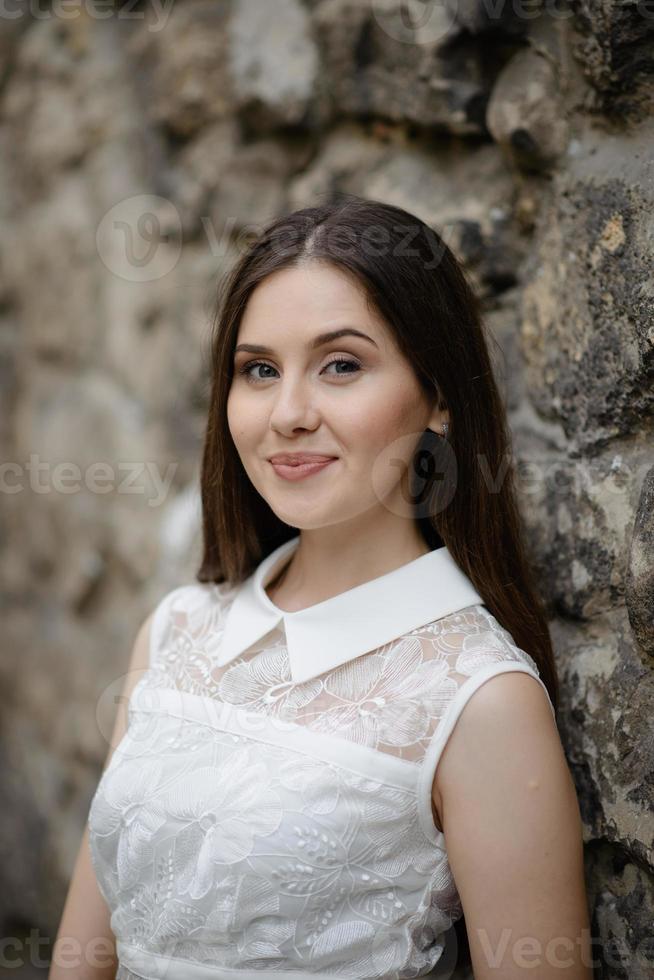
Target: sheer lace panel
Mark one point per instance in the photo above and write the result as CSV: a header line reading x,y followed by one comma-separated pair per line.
x,y
391,699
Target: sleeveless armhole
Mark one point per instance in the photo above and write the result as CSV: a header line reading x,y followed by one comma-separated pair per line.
x,y
444,729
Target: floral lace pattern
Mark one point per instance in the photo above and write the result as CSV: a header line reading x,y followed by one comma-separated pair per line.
x,y
303,851
390,699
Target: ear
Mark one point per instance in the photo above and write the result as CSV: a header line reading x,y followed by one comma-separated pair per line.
x,y
438,416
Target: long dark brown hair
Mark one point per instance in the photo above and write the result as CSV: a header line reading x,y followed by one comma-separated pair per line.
x,y
412,279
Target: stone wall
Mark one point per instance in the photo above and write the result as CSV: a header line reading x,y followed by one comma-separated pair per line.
x,y
140,145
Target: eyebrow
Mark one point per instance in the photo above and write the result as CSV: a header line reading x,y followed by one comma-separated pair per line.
x,y
322,338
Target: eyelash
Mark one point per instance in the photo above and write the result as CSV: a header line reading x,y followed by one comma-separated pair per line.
x,y
252,364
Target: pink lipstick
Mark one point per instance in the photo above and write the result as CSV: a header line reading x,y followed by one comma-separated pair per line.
x,y
295,466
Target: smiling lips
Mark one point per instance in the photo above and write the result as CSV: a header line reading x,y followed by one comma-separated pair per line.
x,y
295,466
293,458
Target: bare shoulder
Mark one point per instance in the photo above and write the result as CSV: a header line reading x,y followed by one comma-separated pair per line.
x,y
509,713
510,815
507,717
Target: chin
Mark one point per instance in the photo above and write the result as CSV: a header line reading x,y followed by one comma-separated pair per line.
x,y
305,518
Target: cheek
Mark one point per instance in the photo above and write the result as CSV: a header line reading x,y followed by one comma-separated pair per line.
x,y
242,421
379,422
233,415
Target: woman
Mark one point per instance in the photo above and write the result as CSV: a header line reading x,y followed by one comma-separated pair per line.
x,y
307,785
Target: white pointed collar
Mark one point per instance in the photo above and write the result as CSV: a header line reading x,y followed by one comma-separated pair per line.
x,y
329,633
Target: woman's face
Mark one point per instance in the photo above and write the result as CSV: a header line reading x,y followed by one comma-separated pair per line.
x,y
354,398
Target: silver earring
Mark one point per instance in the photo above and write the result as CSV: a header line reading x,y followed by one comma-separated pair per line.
x,y
446,429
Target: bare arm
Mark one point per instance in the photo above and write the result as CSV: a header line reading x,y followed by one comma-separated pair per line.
x,y
85,946
509,811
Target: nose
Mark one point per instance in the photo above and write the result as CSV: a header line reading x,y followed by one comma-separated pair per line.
x,y
293,406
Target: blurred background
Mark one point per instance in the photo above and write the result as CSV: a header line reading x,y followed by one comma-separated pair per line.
x,y
142,145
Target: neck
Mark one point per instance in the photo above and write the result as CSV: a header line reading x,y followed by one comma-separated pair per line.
x,y
334,559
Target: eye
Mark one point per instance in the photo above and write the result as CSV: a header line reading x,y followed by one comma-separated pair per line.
x,y
353,367
245,370
344,360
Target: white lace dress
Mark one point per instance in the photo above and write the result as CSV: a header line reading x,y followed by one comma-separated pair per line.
x,y
250,824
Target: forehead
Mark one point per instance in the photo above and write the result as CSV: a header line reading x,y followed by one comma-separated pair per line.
x,y
307,299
